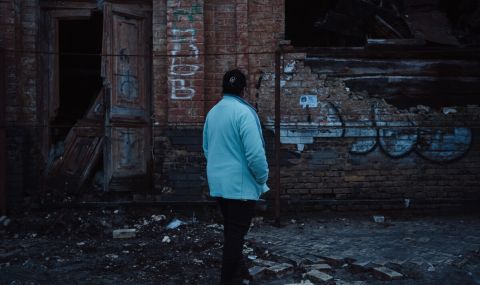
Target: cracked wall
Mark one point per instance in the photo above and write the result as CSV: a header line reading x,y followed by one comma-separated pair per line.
x,y
346,144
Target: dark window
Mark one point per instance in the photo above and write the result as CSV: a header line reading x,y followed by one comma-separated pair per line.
x,y
80,46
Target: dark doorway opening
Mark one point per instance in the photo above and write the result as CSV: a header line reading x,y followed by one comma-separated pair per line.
x,y
80,46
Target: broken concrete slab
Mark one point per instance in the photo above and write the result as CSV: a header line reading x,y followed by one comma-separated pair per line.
x,y
361,266
280,269
379,219
303,282
293,259
341,282
319,276
319,267
124,233
264,263
314,259
257,272
6,222
386,273
334,260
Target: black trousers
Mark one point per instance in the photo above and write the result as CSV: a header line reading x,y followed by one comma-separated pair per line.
x,y
237,216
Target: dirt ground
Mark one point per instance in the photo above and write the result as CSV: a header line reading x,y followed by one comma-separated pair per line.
x,y
76,246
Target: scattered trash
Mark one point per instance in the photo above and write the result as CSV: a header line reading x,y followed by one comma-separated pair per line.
x,y
7,222
257,220
247,250
423,108
197,261
319,276
166,239
303,282
449,110
252,257
111,256
124,233
158,218
379,219
216,227
80,243
175,223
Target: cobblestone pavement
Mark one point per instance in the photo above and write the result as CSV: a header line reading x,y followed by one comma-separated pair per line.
x,y
427,250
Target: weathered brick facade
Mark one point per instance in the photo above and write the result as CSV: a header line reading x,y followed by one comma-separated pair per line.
x,y
349,149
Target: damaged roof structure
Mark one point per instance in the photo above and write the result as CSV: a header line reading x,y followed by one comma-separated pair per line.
x,y
104,101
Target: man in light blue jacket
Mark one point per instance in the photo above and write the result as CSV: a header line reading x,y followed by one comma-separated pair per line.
x,y
237,168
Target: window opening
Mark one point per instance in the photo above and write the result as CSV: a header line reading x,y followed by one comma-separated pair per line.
x,y
80,46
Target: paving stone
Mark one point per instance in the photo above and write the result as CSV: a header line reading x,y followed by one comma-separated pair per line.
x,y
280,269
314,259
334,260
361,266
294,259
257,272
319,267
341,282
386,273
264,263
319,276
303,282
124,233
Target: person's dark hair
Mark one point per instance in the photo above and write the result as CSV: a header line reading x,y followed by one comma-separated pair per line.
x,y
234,81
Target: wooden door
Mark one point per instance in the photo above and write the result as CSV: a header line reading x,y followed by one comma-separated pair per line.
x,y
126,73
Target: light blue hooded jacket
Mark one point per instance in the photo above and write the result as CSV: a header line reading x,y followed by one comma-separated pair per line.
x,y
235,151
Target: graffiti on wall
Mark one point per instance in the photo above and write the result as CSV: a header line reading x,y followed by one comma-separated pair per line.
x,y
128,82
184,60
395,138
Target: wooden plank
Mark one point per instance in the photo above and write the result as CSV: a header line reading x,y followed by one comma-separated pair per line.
x,y
83,147
68,5
407,79
393,52
434,91
342,24
349,67
433,26
396,42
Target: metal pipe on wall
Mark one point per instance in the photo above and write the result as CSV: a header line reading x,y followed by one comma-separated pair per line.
x,y
3,138
277,136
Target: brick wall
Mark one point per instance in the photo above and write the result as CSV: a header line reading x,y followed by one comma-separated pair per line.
x,y
352,148
18,22
226,34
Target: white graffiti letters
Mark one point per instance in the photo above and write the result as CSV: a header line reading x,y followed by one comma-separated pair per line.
x,y
183,64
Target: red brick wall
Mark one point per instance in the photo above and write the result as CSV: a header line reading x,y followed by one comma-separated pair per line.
x,y
18,23
331,152
364,153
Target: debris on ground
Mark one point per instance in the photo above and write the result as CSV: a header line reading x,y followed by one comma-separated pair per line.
x,y
124,233
175,223
379,219
76,247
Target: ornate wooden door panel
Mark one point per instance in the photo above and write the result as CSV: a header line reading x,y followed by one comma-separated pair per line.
x,y
126,76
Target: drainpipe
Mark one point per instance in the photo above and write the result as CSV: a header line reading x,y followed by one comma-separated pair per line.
x,y
277,137
3,138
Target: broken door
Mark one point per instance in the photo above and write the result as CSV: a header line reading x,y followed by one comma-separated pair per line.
x,y
125,69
